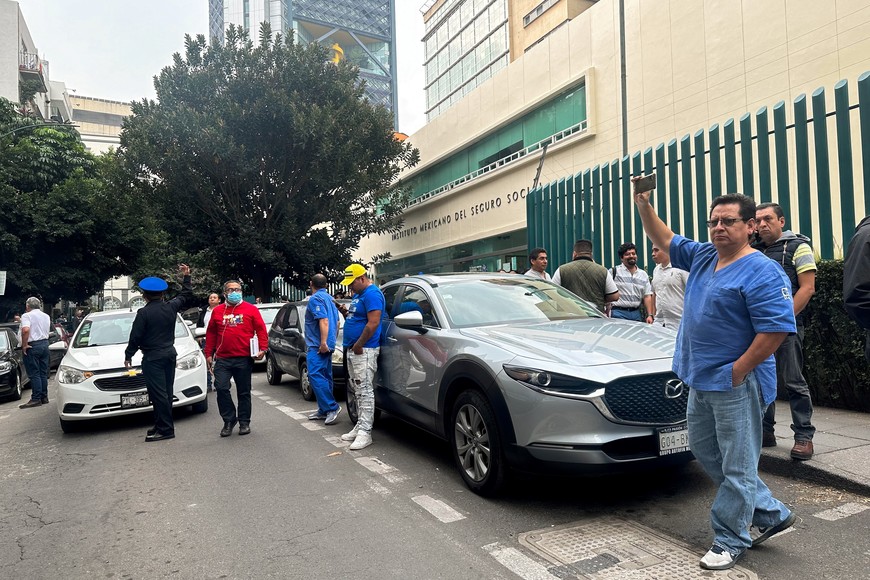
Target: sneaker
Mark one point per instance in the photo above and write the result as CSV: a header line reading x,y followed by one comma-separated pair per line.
x,y
316,416
362,441
768,439
719,559
332,416
802,450
764,533
350,435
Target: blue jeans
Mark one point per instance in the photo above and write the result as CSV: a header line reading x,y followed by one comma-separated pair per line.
x,y
626,314
725,436
789,378
320,376
36,362
239,369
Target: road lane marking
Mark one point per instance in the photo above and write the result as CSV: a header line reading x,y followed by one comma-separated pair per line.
x,y
518,563
286,410
840,512
378,488
273,402
264,397
377,466
256,393
337,441
438,508
300,416
312,426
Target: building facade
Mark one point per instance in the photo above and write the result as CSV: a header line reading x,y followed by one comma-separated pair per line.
x,y
361,31
687,65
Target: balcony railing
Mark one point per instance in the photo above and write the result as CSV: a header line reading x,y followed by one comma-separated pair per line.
x,y
30,66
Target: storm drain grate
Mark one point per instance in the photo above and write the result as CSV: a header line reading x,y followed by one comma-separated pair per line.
x,y
612,548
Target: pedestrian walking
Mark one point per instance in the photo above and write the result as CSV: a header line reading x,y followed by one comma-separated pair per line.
x,y
321,329
362,340
585,278
153,333
538,260
231,354
635,290
669,289
202,322
34,328
738,310
856,280
792,252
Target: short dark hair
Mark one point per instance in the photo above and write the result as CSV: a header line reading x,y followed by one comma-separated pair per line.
x,y
746,203
777,209
624,248
583,247
533,255
319,281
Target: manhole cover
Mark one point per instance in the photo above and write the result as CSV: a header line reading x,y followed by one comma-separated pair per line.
x,y
614,548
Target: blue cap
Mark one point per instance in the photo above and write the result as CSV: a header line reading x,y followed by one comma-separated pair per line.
x,y
153,284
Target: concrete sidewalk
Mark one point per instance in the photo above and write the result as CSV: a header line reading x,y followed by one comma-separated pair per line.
x,y
842,449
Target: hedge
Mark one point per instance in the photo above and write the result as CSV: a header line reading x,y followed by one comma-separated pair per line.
x,y
834,365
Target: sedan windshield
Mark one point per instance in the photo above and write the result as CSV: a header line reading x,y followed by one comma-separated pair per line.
x,y
114,329
268,314
491,301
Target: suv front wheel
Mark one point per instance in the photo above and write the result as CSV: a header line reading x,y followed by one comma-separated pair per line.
x,y
476,444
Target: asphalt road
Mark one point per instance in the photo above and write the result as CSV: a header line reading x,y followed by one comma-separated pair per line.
x,y
290,501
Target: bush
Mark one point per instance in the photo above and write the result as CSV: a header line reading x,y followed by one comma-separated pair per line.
x,y
834,363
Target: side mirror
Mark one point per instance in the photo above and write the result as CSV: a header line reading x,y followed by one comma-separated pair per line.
x,y
198,332
412,320
59,345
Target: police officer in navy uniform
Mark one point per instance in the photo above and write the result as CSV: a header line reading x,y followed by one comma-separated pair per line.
x,y
153,333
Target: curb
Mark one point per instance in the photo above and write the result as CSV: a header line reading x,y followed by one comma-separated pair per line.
x,y
812,471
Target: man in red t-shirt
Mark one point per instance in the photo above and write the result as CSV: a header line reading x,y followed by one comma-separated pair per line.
x,y
228,350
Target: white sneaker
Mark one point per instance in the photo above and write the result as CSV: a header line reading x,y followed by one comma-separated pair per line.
x,y
718,559
350,435
362,441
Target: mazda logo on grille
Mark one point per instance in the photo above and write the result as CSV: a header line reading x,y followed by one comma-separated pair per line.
x,y
674,389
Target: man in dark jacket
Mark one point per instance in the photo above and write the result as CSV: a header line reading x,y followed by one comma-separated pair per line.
x,y
856,280
153,333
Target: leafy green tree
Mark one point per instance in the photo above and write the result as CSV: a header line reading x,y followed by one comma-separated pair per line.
x,y
270,159
66,224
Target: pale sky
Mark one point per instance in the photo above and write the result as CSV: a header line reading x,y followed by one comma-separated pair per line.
x,y
112,49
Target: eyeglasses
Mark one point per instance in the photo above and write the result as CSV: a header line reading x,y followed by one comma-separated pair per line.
x,y
726,222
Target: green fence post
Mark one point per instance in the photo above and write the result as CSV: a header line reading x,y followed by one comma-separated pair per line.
x,y
594,230
606,211
531,212
715,162
844,158
763,155
701,197
673,186
582,224
730,157
568,225
661,202
802,158
596,193
547,203
783,177
746,155
864,115
688,194
624,219
562,216
823,176
637,236
615,217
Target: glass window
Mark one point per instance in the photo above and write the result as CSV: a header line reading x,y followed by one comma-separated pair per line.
x,y
414,299
390,300
293,319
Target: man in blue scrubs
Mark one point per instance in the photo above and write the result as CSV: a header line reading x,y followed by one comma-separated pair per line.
x,y
321,328
738,310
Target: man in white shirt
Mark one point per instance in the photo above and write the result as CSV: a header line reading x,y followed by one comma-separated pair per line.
x,y
634,287
669,287
538,260
35,326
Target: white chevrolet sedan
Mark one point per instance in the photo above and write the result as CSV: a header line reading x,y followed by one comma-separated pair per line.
x,y
92,380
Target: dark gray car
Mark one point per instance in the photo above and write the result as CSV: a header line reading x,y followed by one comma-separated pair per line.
x,y
518,373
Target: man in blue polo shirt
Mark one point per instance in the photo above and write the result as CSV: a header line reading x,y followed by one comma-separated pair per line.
x,y
321,328
738,310
362,339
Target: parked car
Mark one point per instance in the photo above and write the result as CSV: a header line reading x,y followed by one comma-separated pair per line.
x,y
13,375
288,353
268,311
520,374
92,380
56,334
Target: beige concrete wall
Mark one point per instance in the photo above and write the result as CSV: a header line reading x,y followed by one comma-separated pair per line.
x,y
690,64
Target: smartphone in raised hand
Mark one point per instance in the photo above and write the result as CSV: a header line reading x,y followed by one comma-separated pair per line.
x,y
645,183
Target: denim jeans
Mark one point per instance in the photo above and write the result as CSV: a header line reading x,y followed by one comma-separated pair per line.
x,y
320,377
160,381
36,362
725,436
361,369
789,378
626,314
238,368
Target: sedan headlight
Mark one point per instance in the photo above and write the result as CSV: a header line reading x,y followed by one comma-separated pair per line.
x,y
553,383
338,356
190,361
72,376
5,366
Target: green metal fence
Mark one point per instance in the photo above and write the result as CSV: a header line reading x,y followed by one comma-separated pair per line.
x,y
813,167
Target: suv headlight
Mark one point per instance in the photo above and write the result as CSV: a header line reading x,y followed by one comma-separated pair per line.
x,y
553,383
5,366
72,376
190,361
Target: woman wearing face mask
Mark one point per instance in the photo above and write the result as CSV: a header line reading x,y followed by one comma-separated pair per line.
x,y
227,348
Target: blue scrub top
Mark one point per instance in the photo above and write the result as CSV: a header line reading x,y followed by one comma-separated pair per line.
x,y
370,299
320,305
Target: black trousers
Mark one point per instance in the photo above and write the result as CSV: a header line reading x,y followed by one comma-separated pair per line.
x,y
238,368
160,382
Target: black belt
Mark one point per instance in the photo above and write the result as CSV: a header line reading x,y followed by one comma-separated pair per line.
x,y
624,308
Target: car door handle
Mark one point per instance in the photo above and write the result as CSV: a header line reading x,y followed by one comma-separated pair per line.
x,y
392,340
